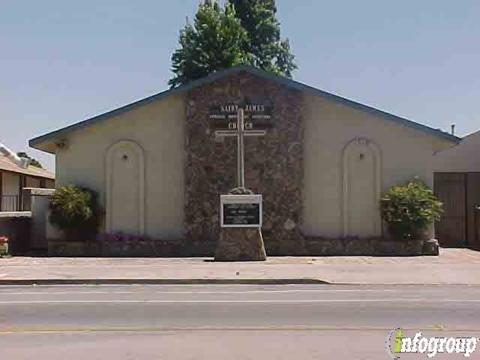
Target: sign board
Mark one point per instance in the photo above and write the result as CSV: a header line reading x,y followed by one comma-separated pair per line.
x,y
241,211
257,116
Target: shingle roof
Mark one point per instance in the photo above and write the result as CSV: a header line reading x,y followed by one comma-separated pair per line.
x,y
8,165
58,134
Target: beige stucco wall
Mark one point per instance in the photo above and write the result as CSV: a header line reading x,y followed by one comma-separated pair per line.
x,y
158,128
462,158
329,126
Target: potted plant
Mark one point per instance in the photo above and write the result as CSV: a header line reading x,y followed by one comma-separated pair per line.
x,y
75,211
409,210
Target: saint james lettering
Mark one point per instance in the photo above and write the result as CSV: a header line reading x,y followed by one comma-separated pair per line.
x,y
257,116
248,108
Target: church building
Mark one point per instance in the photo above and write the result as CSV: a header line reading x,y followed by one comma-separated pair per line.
x,y
321,166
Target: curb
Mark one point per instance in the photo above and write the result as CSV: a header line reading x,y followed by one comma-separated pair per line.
x,y
163,282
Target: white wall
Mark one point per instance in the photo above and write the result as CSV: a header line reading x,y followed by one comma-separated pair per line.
x,y
158,128
329,126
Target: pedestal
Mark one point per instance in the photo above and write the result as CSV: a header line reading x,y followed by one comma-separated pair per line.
x,y
430,247
240,244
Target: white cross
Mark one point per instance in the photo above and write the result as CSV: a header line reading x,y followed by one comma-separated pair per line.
x,y
240,132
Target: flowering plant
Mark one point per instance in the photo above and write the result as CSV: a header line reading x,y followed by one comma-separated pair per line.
x,y
124,241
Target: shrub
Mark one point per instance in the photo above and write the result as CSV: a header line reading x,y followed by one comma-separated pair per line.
x,y
75,210
409,209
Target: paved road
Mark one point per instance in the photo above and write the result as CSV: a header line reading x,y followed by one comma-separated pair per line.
x,y
226,321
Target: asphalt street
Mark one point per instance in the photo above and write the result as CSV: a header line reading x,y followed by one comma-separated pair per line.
x,y
226,321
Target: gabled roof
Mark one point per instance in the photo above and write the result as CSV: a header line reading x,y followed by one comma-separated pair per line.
x,y
59,134
8,165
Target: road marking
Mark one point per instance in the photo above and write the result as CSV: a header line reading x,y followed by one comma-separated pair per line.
x,y
274,301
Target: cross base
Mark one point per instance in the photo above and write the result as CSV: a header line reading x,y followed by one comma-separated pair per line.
x,y
241,191
240,244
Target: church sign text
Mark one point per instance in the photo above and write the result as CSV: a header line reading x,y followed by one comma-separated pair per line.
x,y
241,210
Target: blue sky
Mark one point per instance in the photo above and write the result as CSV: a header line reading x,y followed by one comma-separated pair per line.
x,y
64,61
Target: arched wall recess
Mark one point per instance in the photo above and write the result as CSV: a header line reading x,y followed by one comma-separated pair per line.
x,y
361,188
125,188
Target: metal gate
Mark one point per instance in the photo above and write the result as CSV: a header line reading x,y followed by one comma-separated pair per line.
x,y
460,222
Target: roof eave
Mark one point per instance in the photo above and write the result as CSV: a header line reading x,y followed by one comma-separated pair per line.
x,y
43,142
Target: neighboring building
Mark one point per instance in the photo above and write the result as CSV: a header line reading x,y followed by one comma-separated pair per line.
x,y
464,157
13,178
457,184
321,167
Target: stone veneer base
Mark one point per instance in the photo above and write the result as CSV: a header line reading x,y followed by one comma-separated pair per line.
x,y
371,247
229,249
240,244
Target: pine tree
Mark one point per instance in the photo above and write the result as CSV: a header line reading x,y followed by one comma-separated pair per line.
x,y
242,32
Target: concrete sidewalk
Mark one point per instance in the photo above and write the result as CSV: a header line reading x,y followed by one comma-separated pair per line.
x,y
453,266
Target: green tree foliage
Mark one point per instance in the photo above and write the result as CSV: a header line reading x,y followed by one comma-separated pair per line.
x,y
410,209
215,41
269,52
241,32
33,162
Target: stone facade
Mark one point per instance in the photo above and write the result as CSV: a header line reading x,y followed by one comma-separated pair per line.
x,y
273,163
240,244
370,247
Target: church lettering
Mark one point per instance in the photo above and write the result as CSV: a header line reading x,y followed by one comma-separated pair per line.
x,y
257,116
249,108
254,108
230,108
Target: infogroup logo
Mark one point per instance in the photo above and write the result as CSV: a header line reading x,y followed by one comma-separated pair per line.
x,y
398,344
